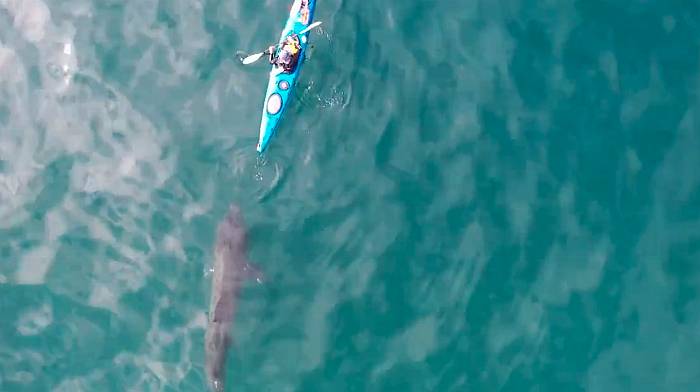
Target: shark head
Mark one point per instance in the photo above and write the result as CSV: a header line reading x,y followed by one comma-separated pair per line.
x,y
232,229
234,216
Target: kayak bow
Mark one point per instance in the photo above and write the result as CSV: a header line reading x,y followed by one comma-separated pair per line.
x,y
280,84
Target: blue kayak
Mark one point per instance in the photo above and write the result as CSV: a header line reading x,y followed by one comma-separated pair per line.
x,y
280,85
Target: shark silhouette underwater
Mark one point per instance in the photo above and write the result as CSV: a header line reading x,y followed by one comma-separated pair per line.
x,y
231,268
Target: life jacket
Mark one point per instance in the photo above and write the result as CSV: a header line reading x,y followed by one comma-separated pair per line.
x,y
292,47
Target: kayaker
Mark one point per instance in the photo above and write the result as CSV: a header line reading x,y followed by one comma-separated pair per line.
x,y
286,57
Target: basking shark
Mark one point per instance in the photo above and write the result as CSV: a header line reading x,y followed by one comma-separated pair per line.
x,y
231,268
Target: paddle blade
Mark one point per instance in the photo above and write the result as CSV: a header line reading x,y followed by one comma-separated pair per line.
x,y
311,26
253,58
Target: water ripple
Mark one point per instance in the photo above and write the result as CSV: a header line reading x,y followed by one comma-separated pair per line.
x,y
503,200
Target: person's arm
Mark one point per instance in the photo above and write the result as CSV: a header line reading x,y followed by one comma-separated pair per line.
x,y
272,51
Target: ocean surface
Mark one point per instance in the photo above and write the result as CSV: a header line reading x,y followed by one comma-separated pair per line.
x,y
463,196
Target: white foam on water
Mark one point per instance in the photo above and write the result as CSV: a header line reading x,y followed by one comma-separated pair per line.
x,y
457,190
576,265
34,321
159,372
412,345
520,197
316,324
472,254
634,165
495,49
71,385
609,66
201,207
117,155
65,114
678,176
30,17
181,43
34,265
54,225
135,167
131,166
114,278
173,245
519,324
21,377
358,276
80,384
418,341
661,353
192,210
669,23
662,346
212,97
636,104
56,120
21,366
199,321
73,216
16,145
102,296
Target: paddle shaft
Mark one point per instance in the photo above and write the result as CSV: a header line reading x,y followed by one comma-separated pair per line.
x,y
255,57
299,33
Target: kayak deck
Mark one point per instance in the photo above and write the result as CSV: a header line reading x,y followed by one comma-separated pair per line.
x,y
281,84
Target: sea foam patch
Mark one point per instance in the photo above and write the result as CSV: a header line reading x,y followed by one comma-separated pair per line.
x,y
30,17
33,321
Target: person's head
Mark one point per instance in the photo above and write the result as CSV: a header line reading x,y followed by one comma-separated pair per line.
x,y
285,57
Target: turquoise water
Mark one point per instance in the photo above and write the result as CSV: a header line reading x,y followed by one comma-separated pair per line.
x,y
464,196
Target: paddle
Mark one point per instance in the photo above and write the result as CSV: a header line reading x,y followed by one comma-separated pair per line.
x,y
255,57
